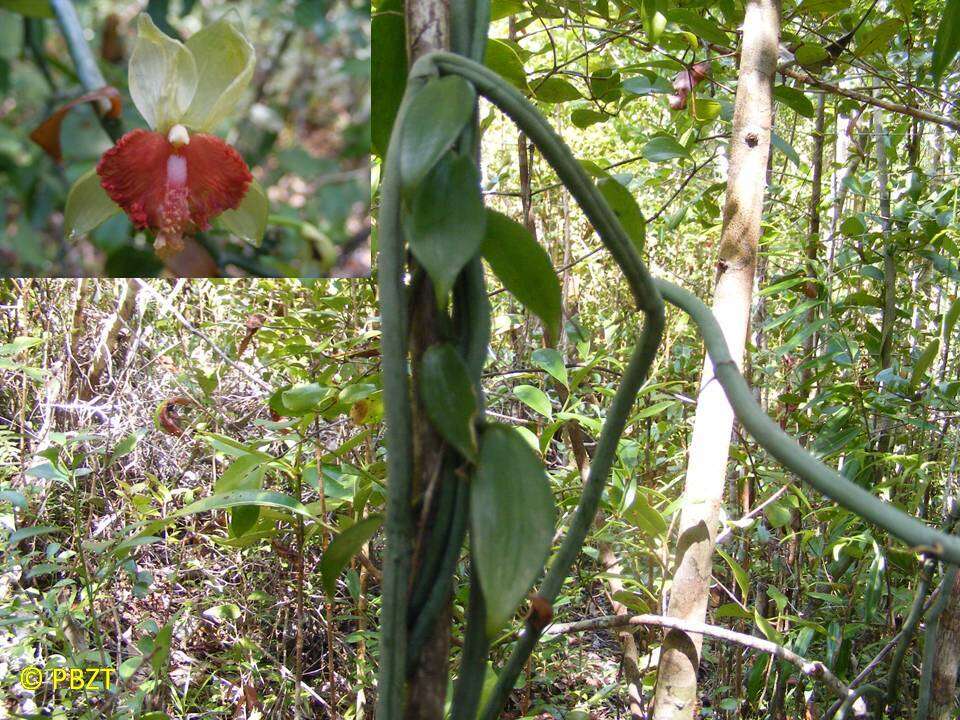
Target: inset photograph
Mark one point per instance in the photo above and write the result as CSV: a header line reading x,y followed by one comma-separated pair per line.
x,y
184,139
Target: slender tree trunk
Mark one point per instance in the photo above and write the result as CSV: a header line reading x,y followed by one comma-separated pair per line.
x,y
946,661
428,29
813,240
676,695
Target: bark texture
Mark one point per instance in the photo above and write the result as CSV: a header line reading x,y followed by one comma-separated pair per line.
x,y
676,694
943,695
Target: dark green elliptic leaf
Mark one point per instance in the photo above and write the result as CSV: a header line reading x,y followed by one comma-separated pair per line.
x,y
554,90
343,548
388,65
511,521
625,207
794,99
449,398
524,268
810,54
433,121
446,222
584,118
303,398
664,148
947,44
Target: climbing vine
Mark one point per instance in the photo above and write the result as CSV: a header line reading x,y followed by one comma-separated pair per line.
x,y
492,483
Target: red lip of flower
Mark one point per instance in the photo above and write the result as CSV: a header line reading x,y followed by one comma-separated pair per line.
x,y
173,184
168,179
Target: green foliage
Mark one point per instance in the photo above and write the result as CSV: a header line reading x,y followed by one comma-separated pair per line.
x,y
511,521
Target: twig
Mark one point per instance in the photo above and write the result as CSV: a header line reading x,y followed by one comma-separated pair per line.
x,y
811,668
83,60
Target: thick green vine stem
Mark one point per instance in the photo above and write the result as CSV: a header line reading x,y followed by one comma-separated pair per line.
x,y
555,151
785,449
399,435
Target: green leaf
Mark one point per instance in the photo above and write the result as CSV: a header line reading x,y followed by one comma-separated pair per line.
x,y
447,222
810,54
950,318
244,473
767,628
343,548
28,532
225,61
504,60
584,118
388,65
701,26
625,207
129,666
794,99
511,521
705,110
786,148
263,498
646,517
647,84
125,446
162,76
664,148
15,498
88,205
534,398
739,574
924,362
524,268
554,90
878,38
303,398
433,121
449,398
551,360
28,8
947,43
778,515
853,226
249,219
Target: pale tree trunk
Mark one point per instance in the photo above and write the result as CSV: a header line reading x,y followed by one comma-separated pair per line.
x,y
676,694
946,660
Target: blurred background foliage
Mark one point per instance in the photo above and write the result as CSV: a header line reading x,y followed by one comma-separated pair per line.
x,y
302,126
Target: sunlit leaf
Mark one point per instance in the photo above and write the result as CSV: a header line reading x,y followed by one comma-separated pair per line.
x,y
343,548
523,267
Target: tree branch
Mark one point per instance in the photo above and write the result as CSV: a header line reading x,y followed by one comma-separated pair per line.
x,y
811,668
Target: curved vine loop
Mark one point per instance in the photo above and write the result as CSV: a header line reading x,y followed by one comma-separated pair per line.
x,y
649,295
